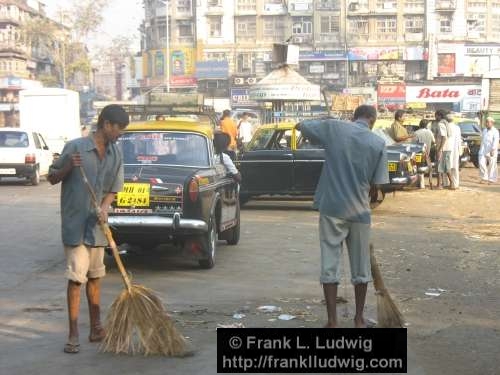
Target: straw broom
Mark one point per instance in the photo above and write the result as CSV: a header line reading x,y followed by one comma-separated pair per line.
x,y
388,313
137,321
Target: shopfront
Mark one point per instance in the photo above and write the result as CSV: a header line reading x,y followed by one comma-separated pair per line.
x,y
456,98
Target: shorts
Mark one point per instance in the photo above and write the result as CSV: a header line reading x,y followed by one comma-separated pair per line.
x,y
444,165
84,262
332,233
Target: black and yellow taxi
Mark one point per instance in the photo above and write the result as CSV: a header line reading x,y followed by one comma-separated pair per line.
x,y
280,161
175,191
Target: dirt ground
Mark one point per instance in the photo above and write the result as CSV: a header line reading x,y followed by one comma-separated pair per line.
x,y
444,240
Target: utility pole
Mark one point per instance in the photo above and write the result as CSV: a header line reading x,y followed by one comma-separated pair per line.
x,y
167,75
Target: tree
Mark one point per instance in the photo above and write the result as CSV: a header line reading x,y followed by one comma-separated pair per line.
x,y
64,41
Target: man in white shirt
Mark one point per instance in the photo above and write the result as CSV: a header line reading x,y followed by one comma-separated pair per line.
x,y
455,155
444,147
245,129
488,152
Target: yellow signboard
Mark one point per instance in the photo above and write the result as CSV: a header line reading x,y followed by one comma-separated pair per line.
x,y
133,195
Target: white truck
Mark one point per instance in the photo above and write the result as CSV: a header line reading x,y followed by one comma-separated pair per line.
x,y
53,112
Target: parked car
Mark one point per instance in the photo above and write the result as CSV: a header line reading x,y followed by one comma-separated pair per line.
x,y
471,134
24,154
174,191
280,161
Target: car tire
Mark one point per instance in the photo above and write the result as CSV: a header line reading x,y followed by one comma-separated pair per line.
x,y
35,179
208,242
233,234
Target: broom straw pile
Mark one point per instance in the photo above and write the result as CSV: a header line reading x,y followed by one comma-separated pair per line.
x,y
388,313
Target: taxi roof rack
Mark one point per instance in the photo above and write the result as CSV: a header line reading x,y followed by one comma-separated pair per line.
x,y
143,111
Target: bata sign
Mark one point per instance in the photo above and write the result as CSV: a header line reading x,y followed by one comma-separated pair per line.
x,y
441,94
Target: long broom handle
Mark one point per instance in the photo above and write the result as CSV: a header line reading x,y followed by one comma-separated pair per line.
x,y
378,282
107,231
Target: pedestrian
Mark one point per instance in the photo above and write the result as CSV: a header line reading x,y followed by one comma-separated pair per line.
x,y
444,146
488,152
425,136
244,130
82,238
398,131
228,126
342,197
455,155
221,142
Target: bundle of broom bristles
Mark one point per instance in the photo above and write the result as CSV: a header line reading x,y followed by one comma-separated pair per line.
x,y
137,323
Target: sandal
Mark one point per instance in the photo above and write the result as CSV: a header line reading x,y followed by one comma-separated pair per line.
x,y
71,348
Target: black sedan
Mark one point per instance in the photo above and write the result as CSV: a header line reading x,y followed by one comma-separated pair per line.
x,y
279,161
175,192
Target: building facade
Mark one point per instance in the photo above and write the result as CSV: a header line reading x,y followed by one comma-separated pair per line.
x,y
372,47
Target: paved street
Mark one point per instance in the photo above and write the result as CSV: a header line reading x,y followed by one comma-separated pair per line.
x,y
424,239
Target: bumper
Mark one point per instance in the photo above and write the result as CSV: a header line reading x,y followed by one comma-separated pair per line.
x,y
17,170
423,169
175,223
404,180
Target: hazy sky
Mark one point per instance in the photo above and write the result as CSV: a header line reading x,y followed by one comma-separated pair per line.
x,y
121,17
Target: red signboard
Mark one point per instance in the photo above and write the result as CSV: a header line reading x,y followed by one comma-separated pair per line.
x,y
396,91
183,81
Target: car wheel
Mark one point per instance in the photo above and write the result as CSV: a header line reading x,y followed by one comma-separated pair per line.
x,y
233,235
35,179
208,243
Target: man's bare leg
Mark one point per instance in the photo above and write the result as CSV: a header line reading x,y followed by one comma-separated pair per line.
x,y
93,289
360,297
73,296
330,291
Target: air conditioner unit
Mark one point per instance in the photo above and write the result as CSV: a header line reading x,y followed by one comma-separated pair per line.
x,y
239,81
251,80
298,39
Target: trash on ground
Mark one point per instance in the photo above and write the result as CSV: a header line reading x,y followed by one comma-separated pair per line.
x,y
233,325
239,316
286,317
269,309
434,292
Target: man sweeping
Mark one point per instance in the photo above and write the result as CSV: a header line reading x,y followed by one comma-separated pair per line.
x,y
83,240
355,161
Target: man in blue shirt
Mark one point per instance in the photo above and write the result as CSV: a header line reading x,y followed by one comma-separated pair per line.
x,y
355,161
83,240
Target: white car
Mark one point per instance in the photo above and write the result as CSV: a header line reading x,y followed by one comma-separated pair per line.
x,y
23,154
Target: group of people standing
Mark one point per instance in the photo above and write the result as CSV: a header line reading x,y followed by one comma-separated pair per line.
x,y
240,132
441,136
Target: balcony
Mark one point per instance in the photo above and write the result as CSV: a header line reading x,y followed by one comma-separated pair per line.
x,y
359,37
13,47
183,14
329,38
245,10
215,10
446,5
328,5
302,38
300,7
414,37
274,9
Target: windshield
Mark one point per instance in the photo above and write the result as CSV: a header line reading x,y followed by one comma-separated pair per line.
x,y
261,139
469,127
160,148
14,139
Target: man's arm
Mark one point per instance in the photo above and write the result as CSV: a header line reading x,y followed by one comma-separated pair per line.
x,y
61,167
400,133
315,130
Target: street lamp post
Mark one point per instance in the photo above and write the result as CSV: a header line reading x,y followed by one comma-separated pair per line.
x,y
167,75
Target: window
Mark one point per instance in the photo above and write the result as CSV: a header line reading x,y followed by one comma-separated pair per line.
x,y
414,5
274,28
213,3
495,26
358,5
244,63
184,6
477,4
414,24
445,24
302,25
476,24
387,25
186,30
328,5
387,5
359,26
246,5
330,24
214,26
246,27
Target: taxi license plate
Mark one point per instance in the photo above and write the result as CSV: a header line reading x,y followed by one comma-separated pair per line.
x,y
418,158
133,195
393,167
133,211
7,170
